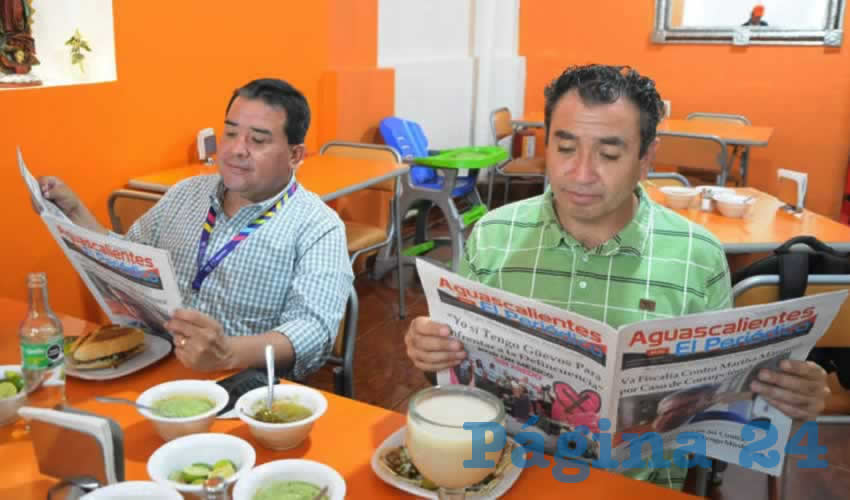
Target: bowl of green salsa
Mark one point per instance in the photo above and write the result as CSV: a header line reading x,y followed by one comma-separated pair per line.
x,y
183,407
290,418
290,480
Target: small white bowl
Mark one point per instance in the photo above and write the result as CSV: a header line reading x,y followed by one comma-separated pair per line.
x,y
170,428
734,205
9,406
206,448
134,490
679,197
282,436
290,470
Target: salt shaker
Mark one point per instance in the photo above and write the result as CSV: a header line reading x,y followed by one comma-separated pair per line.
x,y
707,202
215,488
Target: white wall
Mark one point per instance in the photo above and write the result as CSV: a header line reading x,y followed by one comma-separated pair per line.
x,y
54,22
454,61
798,14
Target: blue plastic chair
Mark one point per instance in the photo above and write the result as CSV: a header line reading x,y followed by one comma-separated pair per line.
x,y
409,139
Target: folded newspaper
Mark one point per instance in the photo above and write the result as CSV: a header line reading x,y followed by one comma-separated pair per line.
x,y
134,284
667,376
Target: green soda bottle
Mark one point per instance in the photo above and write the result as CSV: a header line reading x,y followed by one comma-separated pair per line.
x,y
42,348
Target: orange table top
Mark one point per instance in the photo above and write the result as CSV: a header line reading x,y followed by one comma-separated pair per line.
x,y
328,176
766,227
730,133
344,438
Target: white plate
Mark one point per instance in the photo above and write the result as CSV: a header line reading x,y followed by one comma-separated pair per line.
x,y
397,439
156,349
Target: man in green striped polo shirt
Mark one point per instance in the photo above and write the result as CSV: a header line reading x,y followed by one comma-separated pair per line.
x,y
595,244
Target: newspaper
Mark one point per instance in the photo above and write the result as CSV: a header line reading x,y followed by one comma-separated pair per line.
x,y
557,371
134,284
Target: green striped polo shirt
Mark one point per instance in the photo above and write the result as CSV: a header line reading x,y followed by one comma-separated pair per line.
x,y
659,265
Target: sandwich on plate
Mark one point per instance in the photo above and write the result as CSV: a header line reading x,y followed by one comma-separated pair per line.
x,y
106,347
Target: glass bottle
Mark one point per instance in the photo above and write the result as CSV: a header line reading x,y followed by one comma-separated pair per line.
x,y
215,488
42,348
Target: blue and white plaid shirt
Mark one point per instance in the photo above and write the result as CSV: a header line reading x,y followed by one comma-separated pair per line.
x,y
291,275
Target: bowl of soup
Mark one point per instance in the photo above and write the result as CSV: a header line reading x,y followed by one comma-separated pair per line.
x,y
184,463
284,479
288,422
183,407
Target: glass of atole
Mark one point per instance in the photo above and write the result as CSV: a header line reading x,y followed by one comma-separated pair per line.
x,y
438,444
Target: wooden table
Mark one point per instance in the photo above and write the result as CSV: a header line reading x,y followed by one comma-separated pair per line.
x,y
766,227
330,177
344,438
732,134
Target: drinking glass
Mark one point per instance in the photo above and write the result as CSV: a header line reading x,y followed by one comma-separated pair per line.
x,y
438,444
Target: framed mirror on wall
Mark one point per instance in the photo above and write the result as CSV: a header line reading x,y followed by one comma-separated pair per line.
x,y
750,22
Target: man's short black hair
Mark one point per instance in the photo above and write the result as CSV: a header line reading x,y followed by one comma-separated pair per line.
x,y
280,94
601,84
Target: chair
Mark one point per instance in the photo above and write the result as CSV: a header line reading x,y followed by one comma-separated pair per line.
x,y
501,128
363,238
425,188
693,153
342,355
736,151
661,179
127,205
764,289
408,138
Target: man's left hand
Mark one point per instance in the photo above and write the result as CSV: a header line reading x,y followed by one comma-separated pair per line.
x,y
200,342
798,388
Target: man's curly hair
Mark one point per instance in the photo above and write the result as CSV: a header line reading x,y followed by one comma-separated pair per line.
x,y
601,84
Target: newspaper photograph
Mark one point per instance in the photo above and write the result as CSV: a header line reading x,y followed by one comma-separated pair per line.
x,y
693,374
134,284
556,371
541,361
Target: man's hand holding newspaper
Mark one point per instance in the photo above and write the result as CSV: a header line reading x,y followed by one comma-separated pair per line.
x,y
798,388
55,190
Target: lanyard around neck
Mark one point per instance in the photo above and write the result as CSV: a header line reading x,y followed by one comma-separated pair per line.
x,y
204,269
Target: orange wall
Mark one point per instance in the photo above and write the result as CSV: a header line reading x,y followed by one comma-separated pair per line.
x,y
178,63
803,92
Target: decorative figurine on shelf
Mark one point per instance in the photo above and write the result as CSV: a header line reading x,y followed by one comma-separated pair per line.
x,y
77,45
17,47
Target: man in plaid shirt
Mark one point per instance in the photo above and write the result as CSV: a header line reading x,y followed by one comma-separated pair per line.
x,y
259,259
595,244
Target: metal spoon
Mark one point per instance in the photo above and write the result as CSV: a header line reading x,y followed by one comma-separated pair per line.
x,y
106,399
321,494
270,375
